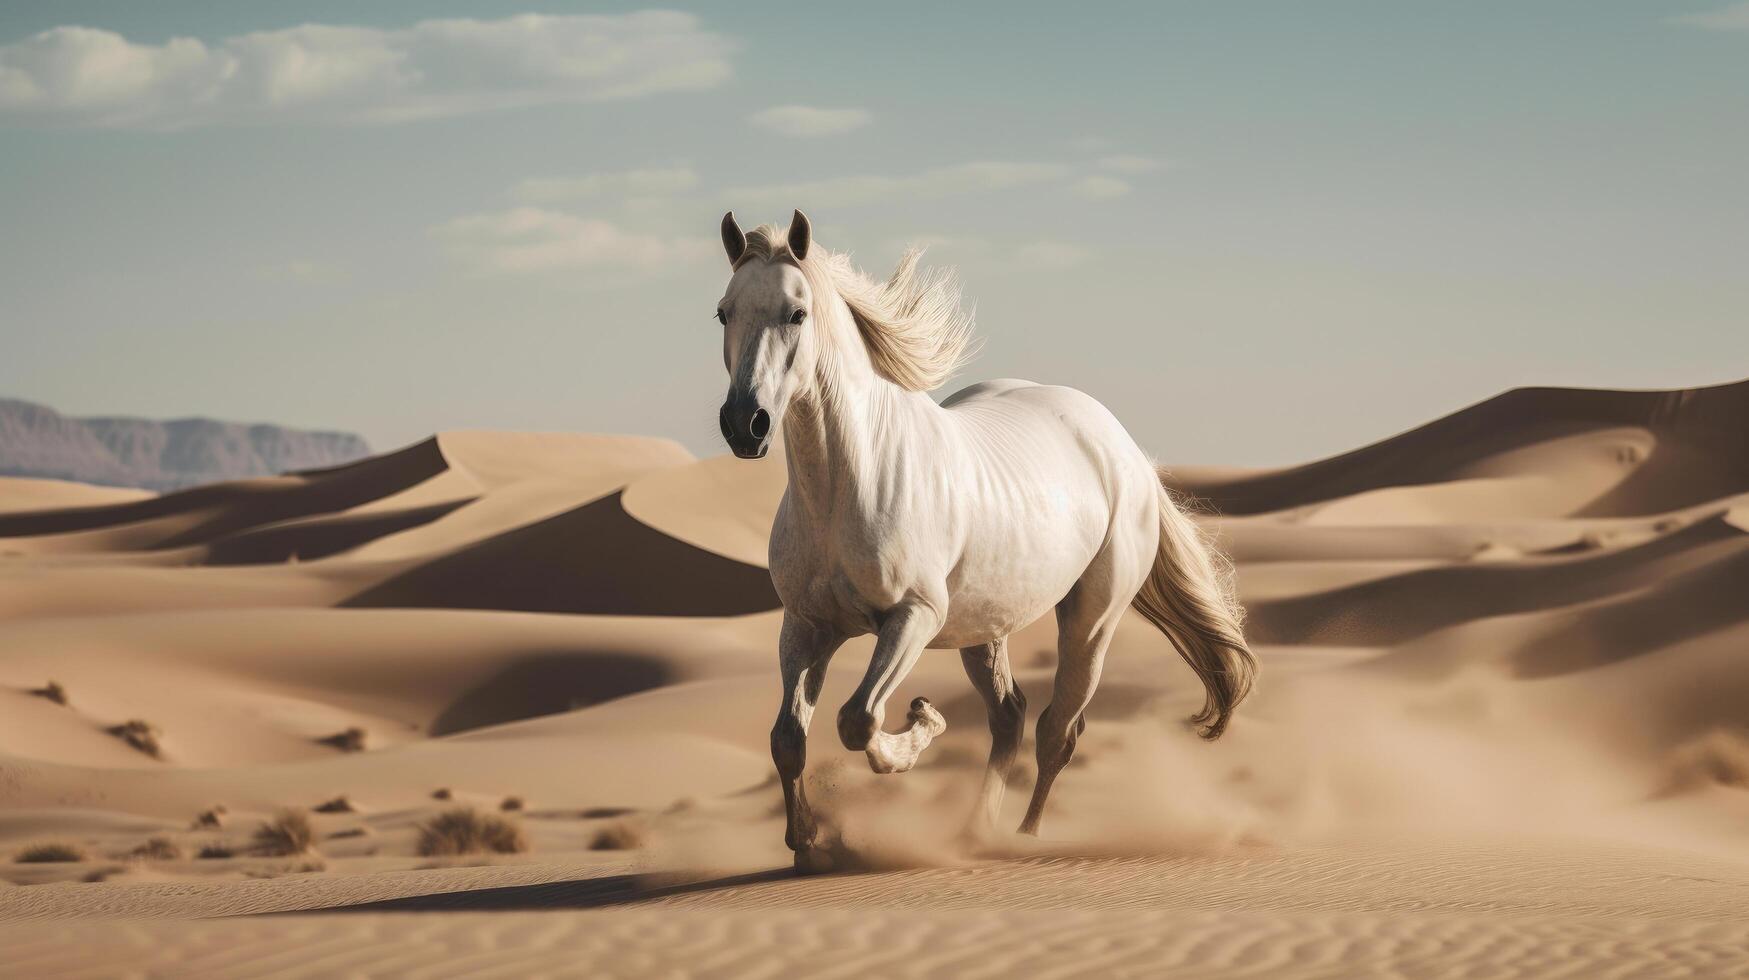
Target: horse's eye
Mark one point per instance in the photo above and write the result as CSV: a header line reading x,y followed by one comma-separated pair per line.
x,y
722,318
798,316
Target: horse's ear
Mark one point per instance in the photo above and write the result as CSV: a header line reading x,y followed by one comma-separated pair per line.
x,y
734,242
800,235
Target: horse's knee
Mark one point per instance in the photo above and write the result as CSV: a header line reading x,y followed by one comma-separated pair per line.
x,y
789,746
857,727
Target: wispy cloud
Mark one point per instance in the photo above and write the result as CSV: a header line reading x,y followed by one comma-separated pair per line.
x,y
939,182
1100,187
1732,18
330,74
535,240
658,182
803,120
1129,163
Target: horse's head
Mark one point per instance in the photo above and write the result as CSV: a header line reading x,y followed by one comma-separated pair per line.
x,y
768,345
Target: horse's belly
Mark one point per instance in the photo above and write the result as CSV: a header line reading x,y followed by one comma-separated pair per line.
x,y
968,625
998,593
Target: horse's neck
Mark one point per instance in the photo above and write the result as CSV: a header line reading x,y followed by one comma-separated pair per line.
x,y
843,435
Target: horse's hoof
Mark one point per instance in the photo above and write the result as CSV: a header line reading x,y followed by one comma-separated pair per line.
x,y
814,861
923,713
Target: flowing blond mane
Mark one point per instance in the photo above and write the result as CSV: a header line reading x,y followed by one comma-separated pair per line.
x,y
912,325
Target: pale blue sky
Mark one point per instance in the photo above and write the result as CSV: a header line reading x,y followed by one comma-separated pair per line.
x,y
1261,232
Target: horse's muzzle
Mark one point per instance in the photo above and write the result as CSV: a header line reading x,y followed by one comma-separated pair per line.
x,y
746,427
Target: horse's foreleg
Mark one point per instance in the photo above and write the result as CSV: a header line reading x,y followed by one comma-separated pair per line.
x,y
902,638
804,650
989,670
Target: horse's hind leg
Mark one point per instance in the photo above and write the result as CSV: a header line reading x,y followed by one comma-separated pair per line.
x,y
1084,631
987,666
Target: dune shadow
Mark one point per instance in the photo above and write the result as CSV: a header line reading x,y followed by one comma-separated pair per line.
x,y
550,684
227,508
592,559
321,537
1400,608
1682,608
581,893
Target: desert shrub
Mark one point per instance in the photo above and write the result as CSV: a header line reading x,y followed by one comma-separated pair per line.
x,y
139,734
215,849
214,817
346,832
465,830
350,740
288,833
443,793
511,803
339,804
157,849
53,691
621,835
48,852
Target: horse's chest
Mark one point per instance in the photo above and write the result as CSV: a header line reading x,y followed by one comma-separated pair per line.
x,y
851,573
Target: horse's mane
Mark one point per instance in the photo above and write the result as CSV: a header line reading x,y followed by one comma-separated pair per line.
x,y
912,325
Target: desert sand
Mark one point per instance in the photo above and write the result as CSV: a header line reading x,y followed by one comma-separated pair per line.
x,y
1502,727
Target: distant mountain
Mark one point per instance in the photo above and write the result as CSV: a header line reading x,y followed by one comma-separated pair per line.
x,y
123,452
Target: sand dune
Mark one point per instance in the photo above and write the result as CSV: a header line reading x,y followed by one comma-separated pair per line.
x,y
18,493
1500,730
1590,453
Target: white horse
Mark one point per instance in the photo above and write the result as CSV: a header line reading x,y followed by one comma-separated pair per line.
x,y
945,526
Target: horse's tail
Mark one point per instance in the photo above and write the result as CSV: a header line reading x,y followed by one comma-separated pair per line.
x,y
1188,597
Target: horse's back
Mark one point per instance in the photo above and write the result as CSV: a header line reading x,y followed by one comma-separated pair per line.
x,y
1038,418
987,389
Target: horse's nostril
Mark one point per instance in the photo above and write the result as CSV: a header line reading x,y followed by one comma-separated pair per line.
x,y
760,424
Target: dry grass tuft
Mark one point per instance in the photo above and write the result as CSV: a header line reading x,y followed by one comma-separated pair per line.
x,y
511,803
443,793
53,691
350,740
215,849
157,849
139,734
214,817
621,835
339,804
50,852
464,830
288,833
